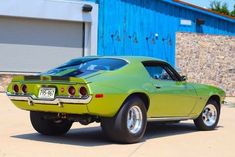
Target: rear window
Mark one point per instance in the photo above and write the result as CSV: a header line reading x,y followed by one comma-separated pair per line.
x,y
88,65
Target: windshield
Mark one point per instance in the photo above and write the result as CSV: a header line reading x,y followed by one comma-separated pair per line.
x,y
84,66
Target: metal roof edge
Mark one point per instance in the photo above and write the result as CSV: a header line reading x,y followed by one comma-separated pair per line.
x,y
199,9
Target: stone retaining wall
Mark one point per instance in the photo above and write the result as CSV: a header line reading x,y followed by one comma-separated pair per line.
x,y
208,59
4,81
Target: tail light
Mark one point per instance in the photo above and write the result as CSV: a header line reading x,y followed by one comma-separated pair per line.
x,y
83,91
71,91
24,89
16,88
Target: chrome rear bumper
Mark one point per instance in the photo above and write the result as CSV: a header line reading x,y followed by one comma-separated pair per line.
x,y
57,101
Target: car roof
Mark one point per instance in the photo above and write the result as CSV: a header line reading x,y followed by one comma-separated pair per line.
x,y
130,58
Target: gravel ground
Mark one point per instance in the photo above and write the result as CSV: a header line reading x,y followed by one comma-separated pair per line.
x,y
18,139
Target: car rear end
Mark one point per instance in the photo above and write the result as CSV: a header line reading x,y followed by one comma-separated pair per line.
x,y
84,87
50,94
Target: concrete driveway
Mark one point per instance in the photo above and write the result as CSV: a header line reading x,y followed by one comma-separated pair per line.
x,y
18,139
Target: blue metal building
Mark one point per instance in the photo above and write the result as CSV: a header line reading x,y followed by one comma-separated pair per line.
x,y
39,31
149,27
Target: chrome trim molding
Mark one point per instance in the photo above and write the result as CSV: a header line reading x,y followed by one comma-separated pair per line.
x,y
162,119
57,101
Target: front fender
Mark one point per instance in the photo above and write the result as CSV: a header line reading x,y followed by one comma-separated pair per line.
x,y
205,92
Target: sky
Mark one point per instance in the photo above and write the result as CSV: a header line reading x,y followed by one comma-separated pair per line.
x,y
206,3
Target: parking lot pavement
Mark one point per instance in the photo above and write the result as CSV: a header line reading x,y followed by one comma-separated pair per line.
x,y
230,101
18,139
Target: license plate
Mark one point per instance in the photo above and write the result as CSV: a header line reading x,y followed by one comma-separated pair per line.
x,y
46,93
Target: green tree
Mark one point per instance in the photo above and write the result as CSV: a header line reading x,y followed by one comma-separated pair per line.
x,y
233,12
220,7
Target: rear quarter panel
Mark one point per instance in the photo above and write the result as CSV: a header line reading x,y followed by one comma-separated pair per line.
x,y
116,86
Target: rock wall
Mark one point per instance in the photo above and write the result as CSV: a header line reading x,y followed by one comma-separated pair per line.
x,y
208,59
4,81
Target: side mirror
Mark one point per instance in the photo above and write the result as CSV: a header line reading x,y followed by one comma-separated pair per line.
x,y
184,78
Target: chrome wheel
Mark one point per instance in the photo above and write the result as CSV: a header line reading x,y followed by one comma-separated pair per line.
x,y
209,115
129,124
134,119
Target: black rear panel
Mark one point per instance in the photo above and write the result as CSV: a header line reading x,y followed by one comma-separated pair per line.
x,y
45,78
32,78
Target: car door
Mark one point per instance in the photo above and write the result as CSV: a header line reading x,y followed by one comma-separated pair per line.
x,y
171,97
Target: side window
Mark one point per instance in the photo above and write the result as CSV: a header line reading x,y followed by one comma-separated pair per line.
x,y
158,72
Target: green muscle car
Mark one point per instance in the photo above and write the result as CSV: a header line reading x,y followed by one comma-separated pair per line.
x,y
122,93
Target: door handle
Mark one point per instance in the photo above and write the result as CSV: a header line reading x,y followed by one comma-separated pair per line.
x,y
158,87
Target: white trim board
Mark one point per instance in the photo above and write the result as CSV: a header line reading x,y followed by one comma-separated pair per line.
x,y
57,10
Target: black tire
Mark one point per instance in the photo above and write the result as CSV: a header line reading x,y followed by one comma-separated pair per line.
x,y
200,122
116,127
49,127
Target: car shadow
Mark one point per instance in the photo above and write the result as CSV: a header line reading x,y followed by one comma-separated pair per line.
x,y
93,136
